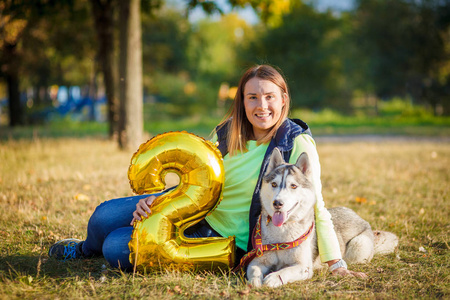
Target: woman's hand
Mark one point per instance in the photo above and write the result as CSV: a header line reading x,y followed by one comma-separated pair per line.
x,y
345,272
142,209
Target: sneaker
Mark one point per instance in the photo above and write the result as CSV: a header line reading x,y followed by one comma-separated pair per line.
x,y
66,249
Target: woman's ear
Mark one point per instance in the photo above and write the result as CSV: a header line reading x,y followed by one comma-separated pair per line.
x,y
285,98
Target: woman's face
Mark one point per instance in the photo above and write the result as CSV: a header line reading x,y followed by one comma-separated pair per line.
x,y
263,102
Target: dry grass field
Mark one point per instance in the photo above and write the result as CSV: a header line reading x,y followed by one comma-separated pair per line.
x,y
50,187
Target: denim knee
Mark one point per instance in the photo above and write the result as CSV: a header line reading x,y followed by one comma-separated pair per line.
x,y
113,214
115,248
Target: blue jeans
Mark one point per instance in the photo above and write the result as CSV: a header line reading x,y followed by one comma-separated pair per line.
x,y
109,231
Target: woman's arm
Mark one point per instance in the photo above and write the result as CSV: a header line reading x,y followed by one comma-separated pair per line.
x,y
326,237
328,244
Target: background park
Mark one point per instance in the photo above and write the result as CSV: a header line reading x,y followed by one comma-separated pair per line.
x,y
84,82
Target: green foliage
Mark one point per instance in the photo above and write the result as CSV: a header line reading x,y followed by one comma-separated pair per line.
x,y
403,108
406,48
303,48
58,45
212,49
326,57
164,42
395,118
179,94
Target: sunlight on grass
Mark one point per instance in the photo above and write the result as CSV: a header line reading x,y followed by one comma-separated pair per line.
x,y
50,187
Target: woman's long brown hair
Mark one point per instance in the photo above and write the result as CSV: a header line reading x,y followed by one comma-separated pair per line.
x,y
241,130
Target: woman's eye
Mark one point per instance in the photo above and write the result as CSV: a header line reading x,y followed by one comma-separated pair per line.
x,y
274,184
293,186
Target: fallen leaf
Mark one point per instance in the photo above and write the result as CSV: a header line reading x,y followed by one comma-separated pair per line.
x,y
82,197
4,233
224,294
244,292
361,200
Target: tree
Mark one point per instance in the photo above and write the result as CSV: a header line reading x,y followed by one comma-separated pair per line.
x,y
104,24
130,72
14,21
35,51
303,46
406,47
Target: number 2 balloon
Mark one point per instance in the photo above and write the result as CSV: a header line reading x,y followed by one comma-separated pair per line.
x,y
159,239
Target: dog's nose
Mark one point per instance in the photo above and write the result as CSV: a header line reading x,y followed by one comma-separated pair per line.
x,y
277,204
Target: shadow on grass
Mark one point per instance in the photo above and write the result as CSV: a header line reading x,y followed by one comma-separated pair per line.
x,y
25,265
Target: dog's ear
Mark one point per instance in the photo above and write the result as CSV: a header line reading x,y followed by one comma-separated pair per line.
x,y
276,159
303,164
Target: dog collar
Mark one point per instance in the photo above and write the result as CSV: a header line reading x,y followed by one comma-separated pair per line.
x,y
259,248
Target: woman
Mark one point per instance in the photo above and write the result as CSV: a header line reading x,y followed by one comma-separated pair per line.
x,y
256,125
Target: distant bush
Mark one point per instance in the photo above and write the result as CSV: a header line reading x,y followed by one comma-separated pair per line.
x,y
402,107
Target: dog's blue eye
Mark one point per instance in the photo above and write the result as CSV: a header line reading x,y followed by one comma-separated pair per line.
x,y
293,186
274,184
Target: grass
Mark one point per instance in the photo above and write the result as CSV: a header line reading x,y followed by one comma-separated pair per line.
x,y
395,118
328,122
50,187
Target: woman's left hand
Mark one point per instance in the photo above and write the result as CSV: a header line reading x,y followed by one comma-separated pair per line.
x,y
345,272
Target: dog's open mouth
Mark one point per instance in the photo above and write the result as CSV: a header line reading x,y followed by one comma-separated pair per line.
x,y
279,217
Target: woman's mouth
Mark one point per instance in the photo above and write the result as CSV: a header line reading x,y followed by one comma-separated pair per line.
x,y
263,115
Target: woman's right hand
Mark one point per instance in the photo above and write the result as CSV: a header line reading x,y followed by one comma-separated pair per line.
x,y
142,209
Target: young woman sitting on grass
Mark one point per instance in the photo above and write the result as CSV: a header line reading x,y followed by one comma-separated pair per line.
x,y
256,125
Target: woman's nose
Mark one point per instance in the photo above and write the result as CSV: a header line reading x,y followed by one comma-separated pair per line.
x,y
262,103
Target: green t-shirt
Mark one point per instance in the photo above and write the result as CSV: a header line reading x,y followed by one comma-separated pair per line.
x,y
241,175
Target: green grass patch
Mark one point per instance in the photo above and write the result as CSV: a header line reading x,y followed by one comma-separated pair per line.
x,y
328,122
325,122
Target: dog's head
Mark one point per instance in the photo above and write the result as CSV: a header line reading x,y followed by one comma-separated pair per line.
x,y
287,191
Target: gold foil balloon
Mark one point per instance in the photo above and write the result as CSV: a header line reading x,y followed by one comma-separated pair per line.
x,y
159,239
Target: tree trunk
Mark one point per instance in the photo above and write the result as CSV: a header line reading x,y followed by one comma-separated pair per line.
x,y
104,24
16,112
130,72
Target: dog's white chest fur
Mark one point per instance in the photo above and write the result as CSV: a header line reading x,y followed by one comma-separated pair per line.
x,y
286,265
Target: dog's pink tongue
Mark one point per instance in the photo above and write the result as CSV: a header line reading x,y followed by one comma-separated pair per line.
x,y
278,218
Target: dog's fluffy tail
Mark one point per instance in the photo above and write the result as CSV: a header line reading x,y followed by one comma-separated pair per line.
x,y
385,242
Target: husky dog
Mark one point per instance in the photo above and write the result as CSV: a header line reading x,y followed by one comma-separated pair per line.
x,y
287,201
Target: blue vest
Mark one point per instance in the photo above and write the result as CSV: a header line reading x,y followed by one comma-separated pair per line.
x,y
284,141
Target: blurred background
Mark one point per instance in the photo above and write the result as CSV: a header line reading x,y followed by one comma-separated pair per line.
x,y
379,65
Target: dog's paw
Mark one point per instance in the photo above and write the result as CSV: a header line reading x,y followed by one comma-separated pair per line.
x,y
273,280
255,282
